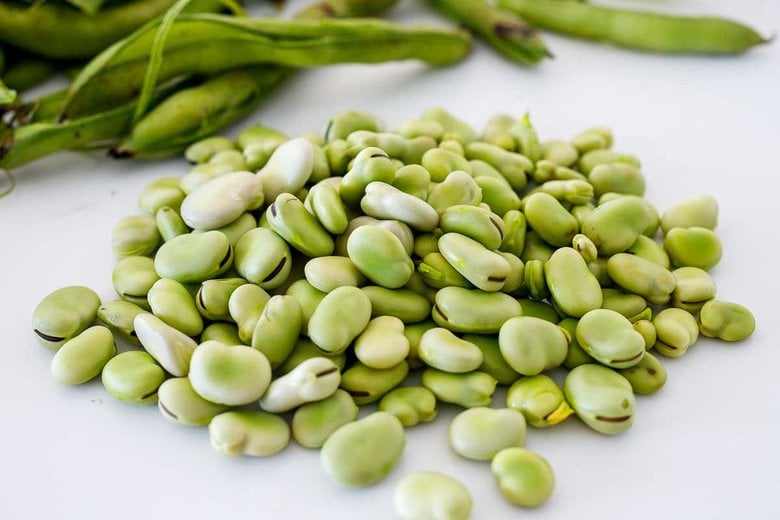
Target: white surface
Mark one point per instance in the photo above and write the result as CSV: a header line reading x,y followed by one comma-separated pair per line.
x,y
706,446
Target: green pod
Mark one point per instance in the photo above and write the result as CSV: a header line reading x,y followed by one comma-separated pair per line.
x,y
514,233
531,345
299,228
601,398
313,423
64,314
226,333
169,223
696,211
573,287
514,167
371,164
135,236
308,298
560,152
263,258
382,344
363,452
624,303
726,320
550,219
194,257
676,331
277,328
202,150
617,178
246,305
693,289
338,319
404,304
83,357
484,268
172,302
132,278
410,404
475,222
524,478
480,432
165,191
540,400
118,316
458,188
576,355
179,403
610,338
366,384
439,348
616,225
693,247
495,194
133,377
651,250
327,207
380,256
493,362
646,377
474,311
642,277
468,390
341,125
213,297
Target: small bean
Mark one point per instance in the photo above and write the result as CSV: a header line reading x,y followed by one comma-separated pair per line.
x,y
64,314
432,496
83,357
524,477
410,404
726,320
253,433
314,422
479,433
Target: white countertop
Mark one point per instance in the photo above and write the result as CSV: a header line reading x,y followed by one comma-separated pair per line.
x,y
705,446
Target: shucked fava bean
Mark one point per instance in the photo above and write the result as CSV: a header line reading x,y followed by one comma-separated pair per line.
x,y
726,320
479,433
524,478
431,496
83,357
63,314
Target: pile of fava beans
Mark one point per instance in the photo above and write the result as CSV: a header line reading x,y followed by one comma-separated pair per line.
x,y
283,283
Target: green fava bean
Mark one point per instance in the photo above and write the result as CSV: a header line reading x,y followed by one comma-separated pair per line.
x,y
380,256
341,125
534,280
593,158
497,132
299,228
263,258
382,343
132,278
180,404
230,375
169,223
172,302
226,333
303,350
459,188
480,312
626,304
410,404
726,320
313,423
523,477
560,152
526,138
514,282
432,496
326,273
213,297
646,377
338,319
437,272
676,331
135,236
440,163
694,288
496,195
651,250
454,128
404,304
311,380
484,268
203,173
585,247
162,192
253,433
204,149
647,330
569,191
617,178
616,225
414,180
573,287
371,164
493,362
82,357
479,433
384,201
595,138
642,277
327,207
133,377
540,400
64,314
514,167
118,316
308,297
531,345
475,222
246,306
194,257
550,219
169,346
363,452
514,233
288,169
610,338
277,328
601,398
468,390
536,249
366,384
693,247
576,355
440,348
696,211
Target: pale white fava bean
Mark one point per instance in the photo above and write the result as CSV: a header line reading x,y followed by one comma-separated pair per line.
x,y
288,168
230,375
312,380
428,495
382,344
480,433
170,347
222,200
